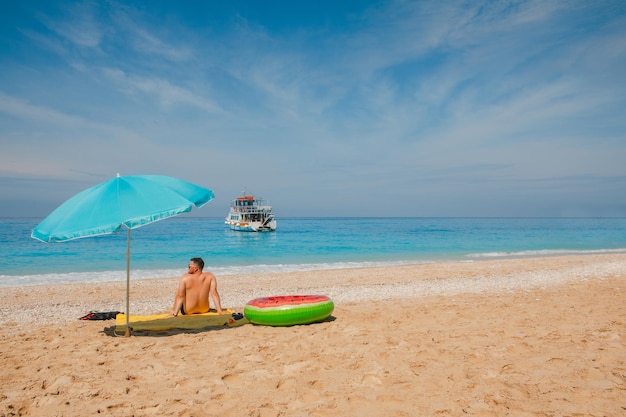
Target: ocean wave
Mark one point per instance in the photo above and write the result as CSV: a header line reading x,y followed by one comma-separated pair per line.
x,y
543,252
135,274
120,275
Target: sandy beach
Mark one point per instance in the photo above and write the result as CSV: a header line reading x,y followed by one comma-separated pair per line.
x,y
517,337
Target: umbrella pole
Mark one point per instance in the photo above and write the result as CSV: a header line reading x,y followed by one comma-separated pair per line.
x,y
127,334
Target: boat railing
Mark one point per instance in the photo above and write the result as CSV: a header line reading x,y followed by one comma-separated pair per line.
x,y
251,209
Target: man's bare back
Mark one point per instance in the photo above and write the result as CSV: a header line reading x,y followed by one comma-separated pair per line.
x,y
194,289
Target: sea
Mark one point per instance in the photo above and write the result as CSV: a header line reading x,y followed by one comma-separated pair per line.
x,y
163,249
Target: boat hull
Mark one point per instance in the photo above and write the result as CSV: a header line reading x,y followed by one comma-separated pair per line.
x,y
252,226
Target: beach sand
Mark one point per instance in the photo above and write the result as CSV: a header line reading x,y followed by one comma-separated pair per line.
x,y
518,337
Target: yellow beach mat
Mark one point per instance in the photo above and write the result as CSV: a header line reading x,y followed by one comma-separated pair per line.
x,y
166,321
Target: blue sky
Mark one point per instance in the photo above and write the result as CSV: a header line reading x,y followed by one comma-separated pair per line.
x,y
325,108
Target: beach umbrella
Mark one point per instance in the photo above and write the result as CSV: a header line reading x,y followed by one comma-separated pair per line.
x,y
124,201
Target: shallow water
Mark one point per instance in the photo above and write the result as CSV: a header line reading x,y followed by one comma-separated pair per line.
x,y
163,249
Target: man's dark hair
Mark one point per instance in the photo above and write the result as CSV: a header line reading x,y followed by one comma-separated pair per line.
x,y
199,262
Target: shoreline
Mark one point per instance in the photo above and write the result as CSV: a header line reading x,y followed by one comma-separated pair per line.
x,y
542,336
113,275
68,302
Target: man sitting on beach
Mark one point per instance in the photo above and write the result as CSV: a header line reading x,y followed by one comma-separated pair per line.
x,y
194,289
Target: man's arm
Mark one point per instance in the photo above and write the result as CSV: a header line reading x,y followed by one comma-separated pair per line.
x,y
215,295
180,297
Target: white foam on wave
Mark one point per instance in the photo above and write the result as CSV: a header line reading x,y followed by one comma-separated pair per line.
x,y
108,276
543,252
120,275
261,269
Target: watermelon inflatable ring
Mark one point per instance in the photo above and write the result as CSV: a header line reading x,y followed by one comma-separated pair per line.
x,y
288,310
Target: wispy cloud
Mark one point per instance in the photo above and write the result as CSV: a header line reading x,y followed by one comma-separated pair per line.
x,y
422,93
136,31
168,95
79,24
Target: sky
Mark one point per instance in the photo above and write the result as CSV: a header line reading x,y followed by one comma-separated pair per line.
x,y
324,108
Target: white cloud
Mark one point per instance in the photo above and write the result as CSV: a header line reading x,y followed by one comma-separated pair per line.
x,y
420,99
168,95
21,108
80,25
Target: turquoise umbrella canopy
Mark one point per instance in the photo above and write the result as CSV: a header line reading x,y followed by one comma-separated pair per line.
x,y
131,201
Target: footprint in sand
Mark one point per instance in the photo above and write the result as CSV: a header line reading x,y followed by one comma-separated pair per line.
x,y
372,379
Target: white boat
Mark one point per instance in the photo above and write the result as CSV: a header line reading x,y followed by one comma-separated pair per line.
x,y
250,214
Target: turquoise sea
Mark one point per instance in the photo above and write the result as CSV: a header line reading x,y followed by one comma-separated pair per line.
x,y
162,249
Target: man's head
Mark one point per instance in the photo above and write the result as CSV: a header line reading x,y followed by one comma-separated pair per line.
x,y
198,262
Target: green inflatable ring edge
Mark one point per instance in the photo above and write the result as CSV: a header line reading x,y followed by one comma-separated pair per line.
x,y
289,315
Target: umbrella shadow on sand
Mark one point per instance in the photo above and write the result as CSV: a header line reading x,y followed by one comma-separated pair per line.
x,y
233,322
110,331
